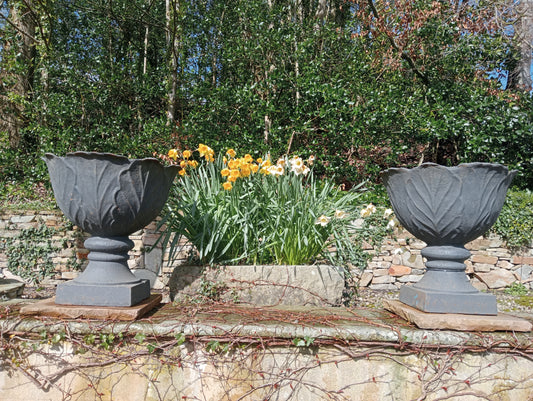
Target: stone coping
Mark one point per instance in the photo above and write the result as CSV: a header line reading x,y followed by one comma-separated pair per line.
x,y
246,323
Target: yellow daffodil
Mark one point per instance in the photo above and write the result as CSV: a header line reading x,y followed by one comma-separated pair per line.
x,y
224,172
183,164
248,158
227,186
245,170
187,154
202,149
193,163
182,172
231,153
173,154
254,168
234,173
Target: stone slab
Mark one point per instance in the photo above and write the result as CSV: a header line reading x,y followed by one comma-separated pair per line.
x,y
10,288
48,307
456,321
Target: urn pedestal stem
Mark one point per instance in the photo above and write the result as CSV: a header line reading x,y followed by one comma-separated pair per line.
x,y
107,279
445,286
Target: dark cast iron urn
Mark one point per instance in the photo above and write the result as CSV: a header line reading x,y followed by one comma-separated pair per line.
x,y
110,197
446,207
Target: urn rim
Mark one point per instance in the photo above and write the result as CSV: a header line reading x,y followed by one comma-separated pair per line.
x,y
431,165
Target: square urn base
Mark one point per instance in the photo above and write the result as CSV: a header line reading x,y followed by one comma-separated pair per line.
x,y
449,302
73,293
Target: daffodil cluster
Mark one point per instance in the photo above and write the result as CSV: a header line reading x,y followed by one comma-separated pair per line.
x,y
388,214
235,168
324,220
295,165
187,161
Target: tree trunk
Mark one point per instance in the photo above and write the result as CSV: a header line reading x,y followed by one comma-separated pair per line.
x,y
173,47
12,103
520,75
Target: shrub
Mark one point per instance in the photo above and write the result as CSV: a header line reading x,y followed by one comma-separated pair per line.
x,y
515,223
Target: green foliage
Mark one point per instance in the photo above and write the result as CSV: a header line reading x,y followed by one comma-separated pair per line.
x,y
365,86
264,218
515,223
303,342
516,289
30,253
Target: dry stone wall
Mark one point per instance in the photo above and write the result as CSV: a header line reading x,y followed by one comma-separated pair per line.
x,y
397,262
491,266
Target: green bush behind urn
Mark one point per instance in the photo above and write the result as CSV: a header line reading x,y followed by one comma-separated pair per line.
x,y
515,223
251,211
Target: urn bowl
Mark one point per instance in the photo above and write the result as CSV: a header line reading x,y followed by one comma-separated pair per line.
x,y
107,194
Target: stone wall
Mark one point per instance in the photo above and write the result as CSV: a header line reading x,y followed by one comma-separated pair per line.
x,y
397,262
491,266
213,353
147,259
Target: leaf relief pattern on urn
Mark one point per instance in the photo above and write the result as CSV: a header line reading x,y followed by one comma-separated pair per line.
x,y
447,205
109,194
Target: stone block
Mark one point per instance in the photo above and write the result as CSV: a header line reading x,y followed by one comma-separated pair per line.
x,y
469,267
478,284
385,287
413,260
150,239
146,274
482,267
524,272
136,262
496,242
497,278
399,270
484,259
365,279
383,280
410,278
505,264
153,260
523,260
417,244
48,307
22,219
396,260
318,285
380,272
456,321
69,275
